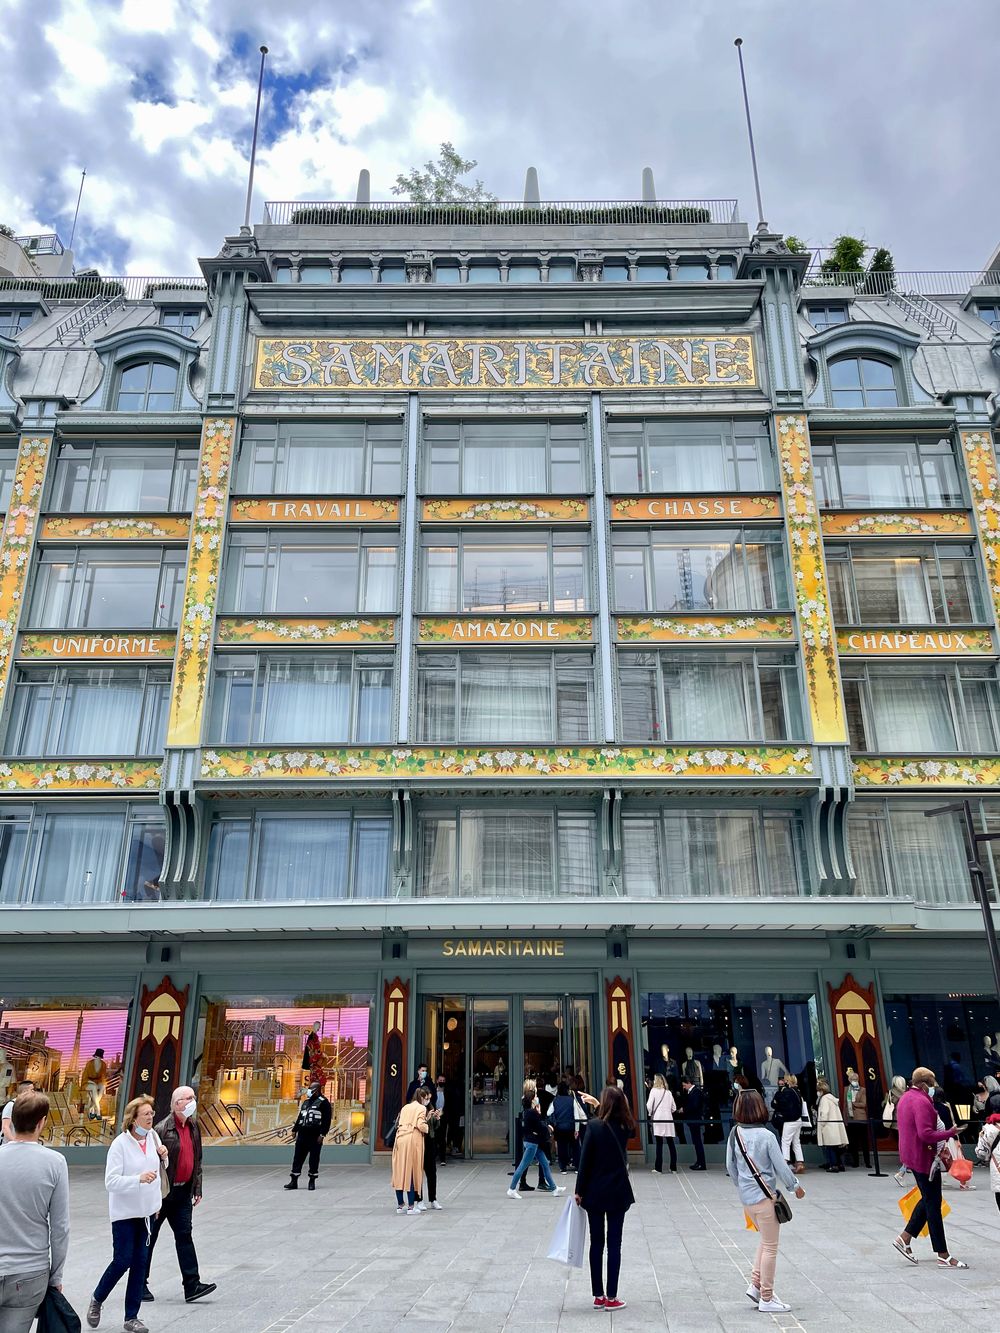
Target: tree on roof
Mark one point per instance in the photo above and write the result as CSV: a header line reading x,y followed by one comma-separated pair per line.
x,y
438,183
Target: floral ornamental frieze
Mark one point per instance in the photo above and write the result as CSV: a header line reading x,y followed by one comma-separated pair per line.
x,y
981,466
893,640
505,629
694,508
145,645
702,629
353,365
86,528
19,529
898,771
706,762
926,523
288,631
812,600
505,511
98,775
201,582
315,511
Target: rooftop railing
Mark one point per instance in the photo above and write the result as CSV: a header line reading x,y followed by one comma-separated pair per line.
x,y
500,213
929,283
47,244
87,287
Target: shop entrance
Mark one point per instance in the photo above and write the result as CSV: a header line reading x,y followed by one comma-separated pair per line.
x,y
485,1046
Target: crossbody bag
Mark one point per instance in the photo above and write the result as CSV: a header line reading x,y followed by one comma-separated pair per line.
x,y
656,1114
782,1208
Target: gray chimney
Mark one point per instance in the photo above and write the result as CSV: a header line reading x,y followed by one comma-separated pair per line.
x,y
531,195
364,186
648,187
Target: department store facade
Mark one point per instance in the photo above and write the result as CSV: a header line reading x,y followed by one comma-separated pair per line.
x,y
510,641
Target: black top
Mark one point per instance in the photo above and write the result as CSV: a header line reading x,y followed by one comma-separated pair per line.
x,y
787,1105
314,1117
602,1179
694,1104
534,1128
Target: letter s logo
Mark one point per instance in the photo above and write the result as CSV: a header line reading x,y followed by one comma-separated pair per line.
x,y
393,1070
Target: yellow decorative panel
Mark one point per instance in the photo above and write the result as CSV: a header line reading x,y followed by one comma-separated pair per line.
x,y
812,599
505,511
152,644
694,508
926,523
902,771
357,365
201,584
287,631
505,629
86,528
19,529
315,511
981,466
704,629
493,762
922,642
94,775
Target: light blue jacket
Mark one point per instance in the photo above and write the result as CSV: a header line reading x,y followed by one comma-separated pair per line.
x,y
764,1149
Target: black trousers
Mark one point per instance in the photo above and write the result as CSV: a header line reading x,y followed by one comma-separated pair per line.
x,y
672,1147
928,1212
307,1145
176,1209
605,1228
696,1143
857,1138
430,1168
565,1141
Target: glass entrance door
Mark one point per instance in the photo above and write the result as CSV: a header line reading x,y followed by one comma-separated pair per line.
x,y
558,1039
489,1076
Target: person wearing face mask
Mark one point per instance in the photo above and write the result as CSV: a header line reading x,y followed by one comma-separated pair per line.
x,y
132,1179
312,1124
422,1080
180,1135
856,1102
919,1144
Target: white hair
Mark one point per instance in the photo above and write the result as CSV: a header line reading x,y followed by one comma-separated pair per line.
x,y
179,1092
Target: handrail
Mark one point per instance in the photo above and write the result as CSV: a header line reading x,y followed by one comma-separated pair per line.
x,y
941,282
90,286
401,212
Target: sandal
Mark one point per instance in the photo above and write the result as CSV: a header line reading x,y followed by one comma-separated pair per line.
x,y
904,1250
950,1261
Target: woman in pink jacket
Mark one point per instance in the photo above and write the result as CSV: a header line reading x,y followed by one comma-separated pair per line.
x,y
920,1139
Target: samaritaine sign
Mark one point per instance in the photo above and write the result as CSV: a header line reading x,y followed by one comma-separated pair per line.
x,y
677,361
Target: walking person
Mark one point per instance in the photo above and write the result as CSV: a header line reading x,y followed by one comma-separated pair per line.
x,y
786,1114
562,1113
528,1089
757,1166
831,1135
988,1150
661,1109
604,1192
34,1215
180,1135
694,1108
896,1089
312,1124
535,1133
132,1179
408,1153
919,1141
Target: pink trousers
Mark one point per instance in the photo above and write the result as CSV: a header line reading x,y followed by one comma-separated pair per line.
x,y
767,1251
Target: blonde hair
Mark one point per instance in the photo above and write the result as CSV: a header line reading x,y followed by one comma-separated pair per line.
x,y
659,1081
791,1081
529,1088
132,1109
822,1087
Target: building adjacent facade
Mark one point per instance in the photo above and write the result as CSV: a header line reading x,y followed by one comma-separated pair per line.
x,y
512,638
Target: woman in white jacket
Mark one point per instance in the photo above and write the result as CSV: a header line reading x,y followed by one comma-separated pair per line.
x,y
132,1179
660,1107
988,1150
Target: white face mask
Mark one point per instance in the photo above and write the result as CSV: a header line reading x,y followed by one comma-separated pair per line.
x,y
421,1074
139,1131
190,1110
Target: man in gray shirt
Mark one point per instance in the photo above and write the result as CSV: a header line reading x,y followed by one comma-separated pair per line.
x,y
34,1216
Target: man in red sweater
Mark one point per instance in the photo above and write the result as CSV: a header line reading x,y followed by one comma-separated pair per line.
x,y
920,1139
181,1137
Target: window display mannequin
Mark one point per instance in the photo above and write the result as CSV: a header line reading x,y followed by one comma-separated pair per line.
x,y
669,1069
719,1062
312,1058
771,1069
719,1086
95,1080
692,1067
991,1056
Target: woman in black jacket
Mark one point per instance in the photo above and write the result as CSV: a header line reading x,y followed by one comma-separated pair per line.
x,y
604,1191
536,1143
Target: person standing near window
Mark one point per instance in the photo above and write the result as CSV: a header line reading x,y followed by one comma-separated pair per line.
x,y
919,1145
660,1107
312,1124
831,1134
561,1113
604,1191
694,1108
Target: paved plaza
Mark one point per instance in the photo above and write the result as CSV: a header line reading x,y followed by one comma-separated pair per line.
x,y
341,1258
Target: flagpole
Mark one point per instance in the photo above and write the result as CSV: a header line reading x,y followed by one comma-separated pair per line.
x,y
253,144
77,213
761,224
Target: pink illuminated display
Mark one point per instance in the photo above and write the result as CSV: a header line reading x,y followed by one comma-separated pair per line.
x,y
348,1024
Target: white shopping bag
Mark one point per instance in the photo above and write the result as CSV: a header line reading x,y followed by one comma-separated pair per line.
x,y
570,1236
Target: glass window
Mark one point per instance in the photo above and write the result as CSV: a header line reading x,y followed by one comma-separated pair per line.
x,y
138,588
689,456
357,275
825,316
875,471
505,457
739,569
392,271
283,273
652,270
511,572
615,270
323,699
250,1057
496,697
319,274
911,584
321,458
562,270
523,270
485,270
713,853
725,271
8,465
906,708
130,478
862,381
988,311
446,273
14,320
73,1049
953,1034
96,710
182,319
692,270
309,573
148,386
507,853
897,850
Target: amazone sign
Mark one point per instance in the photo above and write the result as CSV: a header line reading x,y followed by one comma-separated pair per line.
x,y
677,361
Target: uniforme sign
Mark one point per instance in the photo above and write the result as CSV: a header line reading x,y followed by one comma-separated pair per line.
x,y
676,361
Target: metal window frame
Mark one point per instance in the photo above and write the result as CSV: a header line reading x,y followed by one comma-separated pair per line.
x,y
429,420
772,543
81,558
149,362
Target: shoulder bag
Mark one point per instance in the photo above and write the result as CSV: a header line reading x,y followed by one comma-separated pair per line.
x,y
389,1137
782,1208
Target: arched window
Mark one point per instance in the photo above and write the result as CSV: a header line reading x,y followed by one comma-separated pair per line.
x,y
147,386
862,381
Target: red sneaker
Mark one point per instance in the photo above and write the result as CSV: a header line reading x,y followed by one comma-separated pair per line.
x,y
599,1302
614,1304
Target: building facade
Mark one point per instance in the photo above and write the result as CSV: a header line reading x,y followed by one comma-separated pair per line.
x,y
512,638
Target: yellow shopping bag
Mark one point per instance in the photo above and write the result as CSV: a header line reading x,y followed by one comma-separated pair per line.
x,y
910,1200
751,1224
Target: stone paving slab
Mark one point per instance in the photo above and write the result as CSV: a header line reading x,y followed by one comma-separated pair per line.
x,y
341,1259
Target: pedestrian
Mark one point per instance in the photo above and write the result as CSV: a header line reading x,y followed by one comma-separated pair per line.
x,y
986,1101
919,1140
421,1080
312,1124
831,1135
535,1133
528,1089
661,1109
786,1115
34,1215
988,1150
6,1122
756,1166
408,1152
896,1089
430,1154
856,1102
180,1135
132,1179
694,1108
439,1103
604,1191
562,1114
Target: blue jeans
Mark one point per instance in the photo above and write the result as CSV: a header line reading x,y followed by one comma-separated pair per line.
x,y
411,1196
130,1240
531,1151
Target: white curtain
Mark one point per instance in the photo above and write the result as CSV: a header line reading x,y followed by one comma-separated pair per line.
x,y
78,858
302,858
498,469
101,715
307,702
577,839
689,465
912,712
705,700
505,700
380,580
507,855
323,469
929,861
374,705
711,855
641,858
438,845
372,839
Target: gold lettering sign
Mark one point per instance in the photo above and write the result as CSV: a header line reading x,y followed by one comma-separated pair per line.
x,y
876,642
353,365
501,948
103,646
533,629
315,511
694,508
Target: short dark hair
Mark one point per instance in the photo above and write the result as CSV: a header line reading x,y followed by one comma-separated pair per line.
x,y
562,1088
750,1108
30,1109
687,1079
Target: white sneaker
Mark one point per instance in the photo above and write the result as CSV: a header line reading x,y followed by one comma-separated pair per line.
x,y
400,1210
413,1212
436,1206
900,1178
773,1306
753,1294
559,1189
421,1207
513,1194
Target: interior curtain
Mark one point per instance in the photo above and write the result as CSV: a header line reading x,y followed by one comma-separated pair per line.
x,y
641,859
323,469
912,712
374,705
78,858
438,847
123,487
504,469
307,702
505,700
689,465
302,858
928,861
911,591
712,855
372,838
705,700
508,855
101,716
577,838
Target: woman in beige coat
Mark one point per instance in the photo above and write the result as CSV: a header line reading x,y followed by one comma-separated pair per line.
x,y
831,1134
408,1152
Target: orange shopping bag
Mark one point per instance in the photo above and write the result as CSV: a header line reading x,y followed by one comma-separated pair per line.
x,y
910,1200
751,1224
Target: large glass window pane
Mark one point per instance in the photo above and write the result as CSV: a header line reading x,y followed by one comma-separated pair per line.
x,y
641,856
372,847
577,846
891,591
78,858
867,841
311,579
307,700
711,855
228,860
102,712
526,272
505,697
507,854
142,880
928,857
912,712
116,595
13,844
379,594
302,858
505,578
440,579
706,699
438,856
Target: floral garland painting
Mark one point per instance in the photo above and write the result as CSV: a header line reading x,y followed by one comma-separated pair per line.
x,y
981,465
77,775
963,771
79,528
505,511
930,524
284,630
698,629
19,530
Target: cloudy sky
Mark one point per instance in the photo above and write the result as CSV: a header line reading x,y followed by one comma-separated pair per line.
x,y
875,117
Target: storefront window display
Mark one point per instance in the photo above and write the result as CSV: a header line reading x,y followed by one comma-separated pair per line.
x,y
73,1050
727,1041
958,1036
256,1055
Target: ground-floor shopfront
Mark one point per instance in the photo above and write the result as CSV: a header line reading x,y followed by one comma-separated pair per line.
x,y
249,1021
